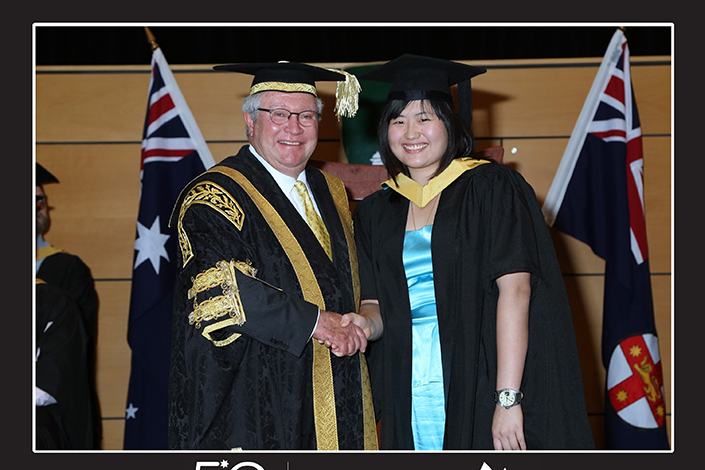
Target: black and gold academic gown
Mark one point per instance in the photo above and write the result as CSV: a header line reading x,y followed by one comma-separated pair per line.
x,y
245,372
488,223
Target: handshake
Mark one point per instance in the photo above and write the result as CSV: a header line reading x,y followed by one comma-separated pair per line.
x,y
347,334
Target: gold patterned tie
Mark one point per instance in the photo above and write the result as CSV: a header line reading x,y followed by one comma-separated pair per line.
x,y
312,218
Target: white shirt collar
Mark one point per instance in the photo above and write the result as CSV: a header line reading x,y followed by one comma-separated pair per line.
x,y
285,182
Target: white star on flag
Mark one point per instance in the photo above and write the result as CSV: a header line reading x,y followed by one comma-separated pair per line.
x,y
150,245
131,411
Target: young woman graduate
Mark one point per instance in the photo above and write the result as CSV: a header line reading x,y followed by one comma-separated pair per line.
x,y
472,342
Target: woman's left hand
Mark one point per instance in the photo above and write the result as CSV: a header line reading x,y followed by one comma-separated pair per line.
x,y
369,320
508,428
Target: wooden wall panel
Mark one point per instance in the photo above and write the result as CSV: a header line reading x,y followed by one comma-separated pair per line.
x,y
78,106
114,354
663,301
538,159
95,204
89,127
585,296
508,101
91,107
113,434
658,183
546,101
515,102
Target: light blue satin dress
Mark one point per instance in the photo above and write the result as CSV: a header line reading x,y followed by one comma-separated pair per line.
x,y
427,396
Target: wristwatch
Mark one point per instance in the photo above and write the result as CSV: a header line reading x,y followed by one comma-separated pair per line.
x,y
507,397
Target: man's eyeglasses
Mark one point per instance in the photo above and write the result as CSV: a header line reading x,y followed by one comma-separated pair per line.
x,y
281,116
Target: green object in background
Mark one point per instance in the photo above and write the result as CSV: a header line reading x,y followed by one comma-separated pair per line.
x,y
359,134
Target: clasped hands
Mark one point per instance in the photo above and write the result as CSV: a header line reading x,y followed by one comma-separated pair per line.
x,y
344,335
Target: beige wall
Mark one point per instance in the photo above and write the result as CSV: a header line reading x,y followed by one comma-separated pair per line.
x,y
89,127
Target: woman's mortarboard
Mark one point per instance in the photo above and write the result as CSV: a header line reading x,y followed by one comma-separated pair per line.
x,y
294,77
416,77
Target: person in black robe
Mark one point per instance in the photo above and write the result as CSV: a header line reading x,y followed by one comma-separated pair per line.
x,y
504,324
68,272
260,360
62,416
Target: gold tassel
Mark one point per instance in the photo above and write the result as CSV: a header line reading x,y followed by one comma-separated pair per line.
x,y
346,95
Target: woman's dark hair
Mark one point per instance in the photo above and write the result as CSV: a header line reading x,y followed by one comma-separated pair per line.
x,y
461,142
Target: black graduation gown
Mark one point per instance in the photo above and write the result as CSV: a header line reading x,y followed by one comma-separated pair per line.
x,y
68,272
256,391
488,223
61,343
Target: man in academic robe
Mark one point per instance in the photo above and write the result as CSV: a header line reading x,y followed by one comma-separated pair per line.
x,y
260,359
67,271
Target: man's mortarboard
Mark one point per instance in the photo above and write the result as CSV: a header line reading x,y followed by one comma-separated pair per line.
x,y
294,77
416,77
44,177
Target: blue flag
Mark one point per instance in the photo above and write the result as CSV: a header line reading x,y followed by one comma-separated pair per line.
x,y
597,197
173,153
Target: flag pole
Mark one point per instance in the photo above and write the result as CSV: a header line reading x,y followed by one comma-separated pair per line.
x,y
151,39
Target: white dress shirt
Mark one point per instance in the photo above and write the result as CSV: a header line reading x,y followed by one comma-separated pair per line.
x,y
286,183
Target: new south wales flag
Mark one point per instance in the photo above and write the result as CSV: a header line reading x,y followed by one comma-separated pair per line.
x,y
597,196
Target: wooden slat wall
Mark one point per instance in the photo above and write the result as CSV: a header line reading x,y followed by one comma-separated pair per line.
x,y
88,130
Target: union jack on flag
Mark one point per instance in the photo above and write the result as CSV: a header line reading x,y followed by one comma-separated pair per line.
x,y
173,153
617,120
597,196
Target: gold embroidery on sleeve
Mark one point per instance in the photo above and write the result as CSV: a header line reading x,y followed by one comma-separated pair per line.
x,y
213,196
223,275
246,268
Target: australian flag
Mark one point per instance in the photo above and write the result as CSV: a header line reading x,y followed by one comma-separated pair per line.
x,y
597,196
173,153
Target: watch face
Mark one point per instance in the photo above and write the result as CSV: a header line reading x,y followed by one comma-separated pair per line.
x,y
506,398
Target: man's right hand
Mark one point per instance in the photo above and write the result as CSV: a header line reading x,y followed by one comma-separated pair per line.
x,y
342,340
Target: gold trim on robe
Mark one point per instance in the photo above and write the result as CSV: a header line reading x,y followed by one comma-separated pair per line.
x,y
212,195
323,391
223,275
46,251
340,198
422,195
